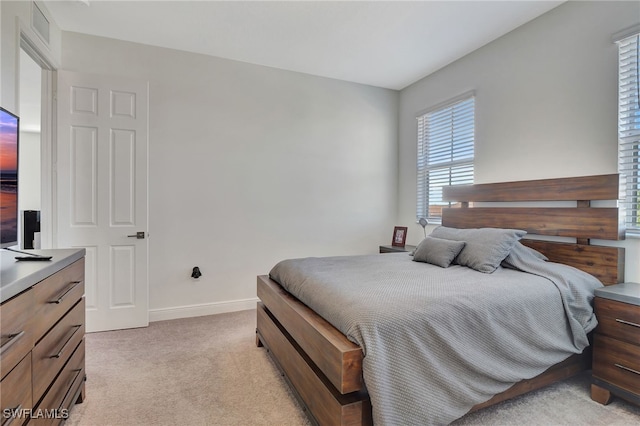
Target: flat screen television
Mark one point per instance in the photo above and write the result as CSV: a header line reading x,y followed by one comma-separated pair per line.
x,y
9,136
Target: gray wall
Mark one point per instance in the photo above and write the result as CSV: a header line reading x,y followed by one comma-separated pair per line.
x,y
250,165
546,103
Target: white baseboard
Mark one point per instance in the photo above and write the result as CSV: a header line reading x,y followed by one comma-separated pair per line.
x,y
201,309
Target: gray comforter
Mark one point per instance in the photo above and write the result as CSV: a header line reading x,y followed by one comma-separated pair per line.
x,y
439,341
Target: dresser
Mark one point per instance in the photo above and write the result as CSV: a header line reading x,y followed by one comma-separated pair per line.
x,y
616,347
42,349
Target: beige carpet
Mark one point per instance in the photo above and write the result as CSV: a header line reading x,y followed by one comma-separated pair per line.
x,y
208,371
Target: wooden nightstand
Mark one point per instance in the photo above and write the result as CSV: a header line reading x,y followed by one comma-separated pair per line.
x,y
395,249
616,348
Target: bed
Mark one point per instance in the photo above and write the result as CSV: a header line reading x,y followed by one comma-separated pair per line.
x,y
326,369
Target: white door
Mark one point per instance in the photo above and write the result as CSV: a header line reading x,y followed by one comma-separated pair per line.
x,y
101,193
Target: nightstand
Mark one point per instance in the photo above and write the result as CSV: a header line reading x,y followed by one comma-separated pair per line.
x,y
396,249
616,347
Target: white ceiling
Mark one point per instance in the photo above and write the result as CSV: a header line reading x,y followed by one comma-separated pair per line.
x,y
387,44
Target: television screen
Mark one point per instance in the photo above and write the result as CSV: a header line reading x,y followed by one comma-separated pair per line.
x,y
9,128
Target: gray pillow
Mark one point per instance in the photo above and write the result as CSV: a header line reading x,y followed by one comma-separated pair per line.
x,y
485,247
521,255
437,251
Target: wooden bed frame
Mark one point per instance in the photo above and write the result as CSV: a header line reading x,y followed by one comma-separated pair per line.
x,y
324,368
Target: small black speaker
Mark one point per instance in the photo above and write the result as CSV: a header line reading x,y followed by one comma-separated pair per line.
x,y
30,225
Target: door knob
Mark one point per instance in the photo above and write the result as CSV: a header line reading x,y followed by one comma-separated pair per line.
x,y
139,235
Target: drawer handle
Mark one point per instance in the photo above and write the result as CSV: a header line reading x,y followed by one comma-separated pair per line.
x,y
75,377
67,291
14,413
13,338
62,349
627,369
633,324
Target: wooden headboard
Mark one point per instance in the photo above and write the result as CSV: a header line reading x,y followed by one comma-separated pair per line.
x,y
581,222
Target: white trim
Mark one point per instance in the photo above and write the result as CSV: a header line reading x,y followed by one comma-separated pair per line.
x,y
444,104
199,310
47,159
40,55
627,32
34,46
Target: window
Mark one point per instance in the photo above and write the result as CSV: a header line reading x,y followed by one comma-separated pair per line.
x,y
629,128
446,136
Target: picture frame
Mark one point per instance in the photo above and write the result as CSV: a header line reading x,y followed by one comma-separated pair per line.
x,y
399,236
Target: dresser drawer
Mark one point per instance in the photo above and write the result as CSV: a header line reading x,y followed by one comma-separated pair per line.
x,y
17,334
54,407
617,319
617,362
614,309
619,330
53,351
19,398
55,295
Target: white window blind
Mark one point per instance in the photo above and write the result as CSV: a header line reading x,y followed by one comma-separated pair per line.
x,y
446,137
629,129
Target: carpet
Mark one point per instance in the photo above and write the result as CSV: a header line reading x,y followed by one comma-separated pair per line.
x,y
208,371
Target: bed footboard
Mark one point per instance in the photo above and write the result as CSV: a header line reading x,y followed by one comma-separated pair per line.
x,y
320,398
335,355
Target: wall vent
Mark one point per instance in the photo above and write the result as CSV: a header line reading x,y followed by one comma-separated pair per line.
x,y
40,23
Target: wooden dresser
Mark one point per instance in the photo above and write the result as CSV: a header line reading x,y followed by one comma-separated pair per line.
x,y
42,315
616,348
